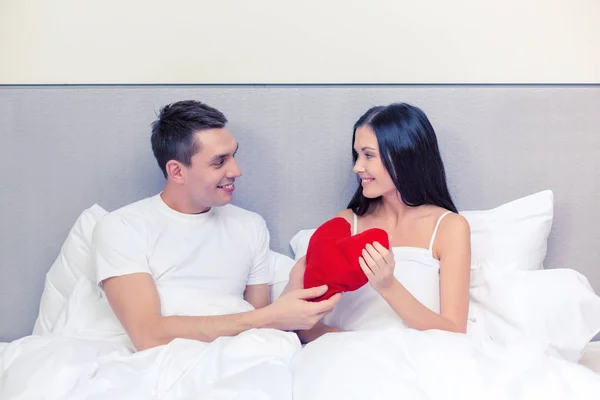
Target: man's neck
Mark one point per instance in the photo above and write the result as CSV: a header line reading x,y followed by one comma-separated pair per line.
x,y
179,202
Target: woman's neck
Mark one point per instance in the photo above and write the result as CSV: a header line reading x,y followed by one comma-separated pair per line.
x,y
392,209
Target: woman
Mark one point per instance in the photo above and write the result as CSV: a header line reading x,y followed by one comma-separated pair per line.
x,y
424,279
422,283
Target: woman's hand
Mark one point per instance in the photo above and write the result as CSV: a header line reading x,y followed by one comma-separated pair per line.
x,y
296,277
378,264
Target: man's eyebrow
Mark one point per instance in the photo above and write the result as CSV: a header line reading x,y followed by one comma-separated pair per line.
x,y
219,156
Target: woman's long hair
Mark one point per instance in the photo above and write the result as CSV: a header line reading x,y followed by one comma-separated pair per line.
x,y
409,152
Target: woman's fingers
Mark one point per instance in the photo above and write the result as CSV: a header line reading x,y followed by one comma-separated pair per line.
x,y
385,253
369,259
378,255
365,268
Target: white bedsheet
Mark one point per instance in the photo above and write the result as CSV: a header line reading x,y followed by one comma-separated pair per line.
x,y
407,364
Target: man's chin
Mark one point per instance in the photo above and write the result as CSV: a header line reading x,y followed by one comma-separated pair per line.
x,y
224,199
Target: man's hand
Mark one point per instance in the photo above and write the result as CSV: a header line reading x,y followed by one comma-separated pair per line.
x,y
293,312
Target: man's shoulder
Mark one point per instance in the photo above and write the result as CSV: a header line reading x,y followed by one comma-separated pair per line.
x,y
142,206
133,215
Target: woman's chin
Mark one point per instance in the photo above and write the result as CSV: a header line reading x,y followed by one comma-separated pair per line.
x,y
370,194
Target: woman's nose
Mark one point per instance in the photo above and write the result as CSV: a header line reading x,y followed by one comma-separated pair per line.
x,y
358,167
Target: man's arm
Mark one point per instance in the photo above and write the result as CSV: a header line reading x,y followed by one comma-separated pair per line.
x,y
257,295
136,303
257,287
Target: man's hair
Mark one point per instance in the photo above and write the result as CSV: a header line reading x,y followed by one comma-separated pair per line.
x,y
173,133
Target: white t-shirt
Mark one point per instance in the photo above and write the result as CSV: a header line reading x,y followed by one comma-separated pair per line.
x,y
201,263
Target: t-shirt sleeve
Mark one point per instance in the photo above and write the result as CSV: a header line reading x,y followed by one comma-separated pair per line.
x,y
117,249
260,273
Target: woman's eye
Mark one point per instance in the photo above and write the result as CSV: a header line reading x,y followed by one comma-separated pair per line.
x,y
369,156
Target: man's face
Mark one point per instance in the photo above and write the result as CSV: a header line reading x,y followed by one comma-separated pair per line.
x,y
209,180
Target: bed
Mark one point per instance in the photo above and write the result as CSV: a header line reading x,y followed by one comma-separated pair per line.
x,y
80,146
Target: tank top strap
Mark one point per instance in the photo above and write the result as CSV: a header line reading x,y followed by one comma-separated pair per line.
x,y
437,225
355,224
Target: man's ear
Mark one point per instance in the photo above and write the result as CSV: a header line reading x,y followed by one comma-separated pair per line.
x,y
175,171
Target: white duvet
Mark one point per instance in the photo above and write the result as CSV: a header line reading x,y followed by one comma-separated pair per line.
x,y
525,334
88,357
408,364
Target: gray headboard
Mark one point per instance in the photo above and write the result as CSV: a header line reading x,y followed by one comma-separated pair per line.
x,y
66,148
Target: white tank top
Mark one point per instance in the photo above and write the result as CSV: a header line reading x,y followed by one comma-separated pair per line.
x,y
416,269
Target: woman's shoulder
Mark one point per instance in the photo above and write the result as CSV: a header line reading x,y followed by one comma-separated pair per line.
x,y
453,225
347,214
444,216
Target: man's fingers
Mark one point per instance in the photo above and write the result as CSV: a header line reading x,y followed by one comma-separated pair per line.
x,y
312,292
325,306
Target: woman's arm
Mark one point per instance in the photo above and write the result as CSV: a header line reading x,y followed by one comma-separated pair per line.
x,y
316,332
454,247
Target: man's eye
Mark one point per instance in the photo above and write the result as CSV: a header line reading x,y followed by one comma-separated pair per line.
x,y
220,162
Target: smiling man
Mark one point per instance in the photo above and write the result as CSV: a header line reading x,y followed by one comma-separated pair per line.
x,y
185,263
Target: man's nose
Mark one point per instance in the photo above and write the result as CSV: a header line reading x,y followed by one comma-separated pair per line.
x,y
235,170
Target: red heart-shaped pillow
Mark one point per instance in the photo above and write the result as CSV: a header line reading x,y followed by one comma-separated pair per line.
x,y
332,257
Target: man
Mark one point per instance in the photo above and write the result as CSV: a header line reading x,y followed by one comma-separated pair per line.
x,y
185,263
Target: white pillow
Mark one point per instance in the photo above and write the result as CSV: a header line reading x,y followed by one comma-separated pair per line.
x,y
280,266
73,262
556,307
299,243
513,234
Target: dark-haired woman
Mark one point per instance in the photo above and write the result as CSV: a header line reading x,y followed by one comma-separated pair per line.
x,y
422,282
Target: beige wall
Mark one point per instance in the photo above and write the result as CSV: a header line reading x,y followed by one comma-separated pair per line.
x,y
308,41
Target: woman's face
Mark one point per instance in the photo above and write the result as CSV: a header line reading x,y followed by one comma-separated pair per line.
x,y
375,179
